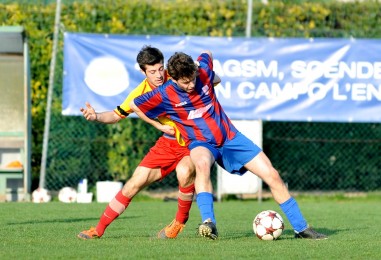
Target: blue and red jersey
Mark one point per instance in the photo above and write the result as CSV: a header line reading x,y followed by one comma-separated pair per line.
x,y
198,115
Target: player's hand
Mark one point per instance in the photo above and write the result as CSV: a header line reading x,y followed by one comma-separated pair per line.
x,y
88,112
167,129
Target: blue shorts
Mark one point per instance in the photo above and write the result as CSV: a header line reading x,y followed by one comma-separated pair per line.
x,y
234,154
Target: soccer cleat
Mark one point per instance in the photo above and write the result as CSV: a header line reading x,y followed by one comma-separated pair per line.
x,y
88,234
208,229
309,233
171,231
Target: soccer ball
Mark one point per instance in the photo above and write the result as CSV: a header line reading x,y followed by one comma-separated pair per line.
x,y
67,195
41,195
268,225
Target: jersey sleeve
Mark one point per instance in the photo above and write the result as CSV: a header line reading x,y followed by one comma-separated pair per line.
x,y
206,69
149,102
124,109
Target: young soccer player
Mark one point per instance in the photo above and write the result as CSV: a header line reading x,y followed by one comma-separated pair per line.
x,y
190,101
169,153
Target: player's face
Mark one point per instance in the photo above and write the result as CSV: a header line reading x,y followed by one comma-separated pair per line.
x,y
155,74
187,84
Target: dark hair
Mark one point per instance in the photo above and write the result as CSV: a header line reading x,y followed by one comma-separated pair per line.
x,y
149,56
181,65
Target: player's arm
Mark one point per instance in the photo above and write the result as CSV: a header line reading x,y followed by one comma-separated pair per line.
x,y
108,117
216,79
164,128
120,112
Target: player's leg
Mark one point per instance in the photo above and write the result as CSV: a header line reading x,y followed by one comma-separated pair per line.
x,y
185,172
203,159
142,177
262,167
241,153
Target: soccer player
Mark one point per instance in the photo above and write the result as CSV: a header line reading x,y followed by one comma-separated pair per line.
x,y
169,153
189,99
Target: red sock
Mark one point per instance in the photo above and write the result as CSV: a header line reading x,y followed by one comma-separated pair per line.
x,y
184,203
116,207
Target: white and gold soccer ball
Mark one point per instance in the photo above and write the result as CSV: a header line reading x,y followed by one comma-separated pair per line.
x,y
268,225
41,195
67,195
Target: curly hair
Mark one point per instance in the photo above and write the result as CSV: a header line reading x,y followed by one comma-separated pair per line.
x,y
181,65
149,56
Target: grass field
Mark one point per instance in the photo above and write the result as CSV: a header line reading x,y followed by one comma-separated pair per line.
x,y
48,231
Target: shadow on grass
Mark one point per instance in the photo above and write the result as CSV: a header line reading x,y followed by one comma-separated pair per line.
x,y
326,231
66,220
286,235
152,235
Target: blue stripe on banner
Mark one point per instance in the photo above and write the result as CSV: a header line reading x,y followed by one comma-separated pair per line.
x,y
288,79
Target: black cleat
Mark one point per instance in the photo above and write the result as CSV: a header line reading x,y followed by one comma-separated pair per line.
x,y
208,229
309,233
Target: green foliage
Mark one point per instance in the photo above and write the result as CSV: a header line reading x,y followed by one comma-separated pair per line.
x,y
120,150
128,142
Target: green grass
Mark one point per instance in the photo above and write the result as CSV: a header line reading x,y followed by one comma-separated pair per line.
x,y
48,231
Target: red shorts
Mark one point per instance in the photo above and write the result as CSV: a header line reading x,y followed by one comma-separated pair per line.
x,y
165,154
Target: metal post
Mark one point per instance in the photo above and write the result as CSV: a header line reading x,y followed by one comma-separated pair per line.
x,y
249,17
248,35
28,126
50,94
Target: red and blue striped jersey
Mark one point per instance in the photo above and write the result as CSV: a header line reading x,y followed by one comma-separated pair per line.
x,y
198,115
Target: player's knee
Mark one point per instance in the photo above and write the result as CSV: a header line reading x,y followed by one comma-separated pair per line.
x,y
202,165
183,170
185,174
185,178
129,190
186,182
135,184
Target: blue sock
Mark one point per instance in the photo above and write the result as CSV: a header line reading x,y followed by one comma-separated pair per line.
x,y
291,209
205,205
